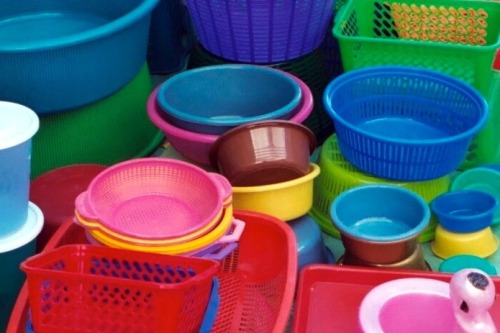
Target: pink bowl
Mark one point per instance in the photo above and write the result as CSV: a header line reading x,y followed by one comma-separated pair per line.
x,y
196,146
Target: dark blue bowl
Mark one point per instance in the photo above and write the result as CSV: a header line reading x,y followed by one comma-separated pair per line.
x,y
464,211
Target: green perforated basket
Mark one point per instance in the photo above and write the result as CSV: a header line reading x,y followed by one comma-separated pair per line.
x,y
338,175
458,38
106,132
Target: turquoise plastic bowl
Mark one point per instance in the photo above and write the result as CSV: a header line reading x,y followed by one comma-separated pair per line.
x,y
59,55
214,99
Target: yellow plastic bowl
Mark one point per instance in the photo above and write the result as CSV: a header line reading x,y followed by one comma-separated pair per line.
x,y
285,201
338,175
446,244
180,248
90,225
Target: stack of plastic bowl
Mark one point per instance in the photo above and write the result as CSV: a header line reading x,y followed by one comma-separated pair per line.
x,y
160,205
268,165
403,124
20,221
195,145
465,218
311,68
379,225
73,73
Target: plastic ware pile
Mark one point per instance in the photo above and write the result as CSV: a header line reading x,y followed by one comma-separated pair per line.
x,y
250,166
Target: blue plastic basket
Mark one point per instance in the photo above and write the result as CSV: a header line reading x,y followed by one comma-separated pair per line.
x,y
58,55
404,123
260,31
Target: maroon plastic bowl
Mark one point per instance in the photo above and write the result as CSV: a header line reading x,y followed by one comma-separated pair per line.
x,y
264,152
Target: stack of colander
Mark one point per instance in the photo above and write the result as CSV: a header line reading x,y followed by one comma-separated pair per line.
x,y
160,205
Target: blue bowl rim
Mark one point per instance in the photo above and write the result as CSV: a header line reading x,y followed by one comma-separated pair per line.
x,y
343,228
388,70
436,209
180,115
144,7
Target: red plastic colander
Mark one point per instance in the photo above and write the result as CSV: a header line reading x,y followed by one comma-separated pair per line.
x,y
154,199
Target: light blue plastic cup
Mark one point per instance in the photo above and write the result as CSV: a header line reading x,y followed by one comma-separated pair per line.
x,y
14,249
18,124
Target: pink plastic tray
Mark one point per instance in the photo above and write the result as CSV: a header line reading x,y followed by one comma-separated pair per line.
x,y
328,296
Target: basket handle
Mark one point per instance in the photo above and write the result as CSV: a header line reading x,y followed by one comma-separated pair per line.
x,y
220,251
223,186
84,214
234,234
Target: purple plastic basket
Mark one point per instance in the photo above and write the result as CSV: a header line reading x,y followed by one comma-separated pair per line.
x,y
260,31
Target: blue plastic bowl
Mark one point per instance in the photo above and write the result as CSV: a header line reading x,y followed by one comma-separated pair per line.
x,y
58,55
214,99
380,213
310,246
464,211
404,123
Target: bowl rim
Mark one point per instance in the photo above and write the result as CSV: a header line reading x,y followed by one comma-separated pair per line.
x,y
313,173
139,11
413,232
172,111
387,70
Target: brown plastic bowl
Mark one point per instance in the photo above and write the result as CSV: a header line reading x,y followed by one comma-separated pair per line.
x,y
264,152
415,261
379,252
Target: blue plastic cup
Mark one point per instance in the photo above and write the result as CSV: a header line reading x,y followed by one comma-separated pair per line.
x,y
14,249
18,124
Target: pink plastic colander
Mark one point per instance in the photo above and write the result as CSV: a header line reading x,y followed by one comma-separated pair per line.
x,y
196,146
153,199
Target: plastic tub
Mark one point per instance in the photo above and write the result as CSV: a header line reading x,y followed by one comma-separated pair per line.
x,y
260,31
286,200
244,93
465,210
455,263
106,132
404,123
338,175
379,223
196,146
14,249
78,56
18,125
264,152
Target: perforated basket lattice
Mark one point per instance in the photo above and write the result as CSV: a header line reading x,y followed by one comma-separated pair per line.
x,y
338,175
82,288
260,31
455,38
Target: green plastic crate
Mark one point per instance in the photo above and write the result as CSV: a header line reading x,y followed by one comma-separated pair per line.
x,y
455,37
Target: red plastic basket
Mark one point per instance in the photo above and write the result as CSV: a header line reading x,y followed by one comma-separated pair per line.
x,y
82,288
257,281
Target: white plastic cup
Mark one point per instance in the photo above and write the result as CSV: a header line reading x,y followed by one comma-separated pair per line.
x,y
18,124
